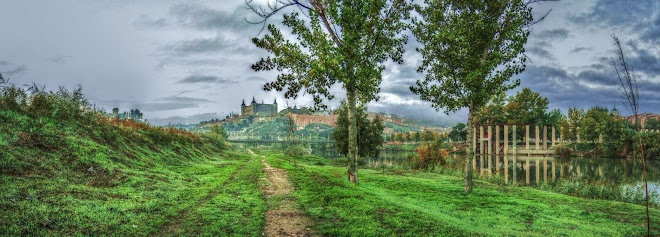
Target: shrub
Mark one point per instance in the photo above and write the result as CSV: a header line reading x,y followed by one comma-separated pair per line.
x,y
429,156
563,150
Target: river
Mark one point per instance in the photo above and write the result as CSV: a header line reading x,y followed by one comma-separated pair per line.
x,y
525,170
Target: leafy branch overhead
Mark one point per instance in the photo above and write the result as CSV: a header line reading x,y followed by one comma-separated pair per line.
x,y
343,42
471,49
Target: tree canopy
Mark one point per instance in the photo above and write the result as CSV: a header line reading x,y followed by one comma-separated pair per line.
x,y
344,42
471,49
370,137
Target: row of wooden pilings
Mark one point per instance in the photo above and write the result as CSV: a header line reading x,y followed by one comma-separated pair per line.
x,y
486,147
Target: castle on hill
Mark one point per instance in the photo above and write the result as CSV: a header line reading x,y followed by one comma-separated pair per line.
x,y
259,109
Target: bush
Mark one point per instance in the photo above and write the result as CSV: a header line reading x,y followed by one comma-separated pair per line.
x,y
563,150
429,156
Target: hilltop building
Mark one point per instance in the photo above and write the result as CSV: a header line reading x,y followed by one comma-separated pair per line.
x,y
642,118
256,109
302,120
615,112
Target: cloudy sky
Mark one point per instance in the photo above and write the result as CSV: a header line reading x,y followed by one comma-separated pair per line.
x,y
186,61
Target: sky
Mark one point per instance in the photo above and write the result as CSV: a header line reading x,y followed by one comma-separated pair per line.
x,y
187,61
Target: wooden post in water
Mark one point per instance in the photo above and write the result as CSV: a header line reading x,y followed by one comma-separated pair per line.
x,y
506,169
506,139
490,140
515,170
514,140
497,139
553,136
538,171
527,170
545,169
481,139
537,137
545,137
553,170
526,137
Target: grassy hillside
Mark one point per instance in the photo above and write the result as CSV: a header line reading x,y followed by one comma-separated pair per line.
x,y
428,204
66,169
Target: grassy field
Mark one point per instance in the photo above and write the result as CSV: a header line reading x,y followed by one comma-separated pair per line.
x,y
216,195
66,169
410,203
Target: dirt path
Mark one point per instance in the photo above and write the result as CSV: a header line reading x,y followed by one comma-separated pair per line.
x,y
283,217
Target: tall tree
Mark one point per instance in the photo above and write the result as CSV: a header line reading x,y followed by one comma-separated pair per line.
x,y
458,132
470,50
493,112
575,118
344,42
527,107
370,138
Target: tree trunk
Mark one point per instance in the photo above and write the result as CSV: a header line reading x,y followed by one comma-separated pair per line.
x,y
352,136
469,154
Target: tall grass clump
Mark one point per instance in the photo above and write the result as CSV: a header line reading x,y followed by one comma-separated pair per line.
x,y
600,190
51,131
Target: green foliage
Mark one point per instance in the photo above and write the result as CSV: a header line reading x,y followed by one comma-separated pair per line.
x,y
652,124
370,33
527,107
470,50
563,150
493,112
370,138
594,123
220,131
429,156
319,57
458,132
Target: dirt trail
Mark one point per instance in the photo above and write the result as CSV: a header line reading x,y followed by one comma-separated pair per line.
x,y
283,218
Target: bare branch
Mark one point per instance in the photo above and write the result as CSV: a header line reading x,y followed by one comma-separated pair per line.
x,y
539,1
630,91
271,10
539,20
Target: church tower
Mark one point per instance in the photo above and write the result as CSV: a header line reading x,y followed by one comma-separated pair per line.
x,y
243,107
275,106
615,112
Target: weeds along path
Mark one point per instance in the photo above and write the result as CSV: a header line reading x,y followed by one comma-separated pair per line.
x,y
174,226
283,217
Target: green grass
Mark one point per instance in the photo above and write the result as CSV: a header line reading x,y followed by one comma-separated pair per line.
x,y
66,169
142,202
419,203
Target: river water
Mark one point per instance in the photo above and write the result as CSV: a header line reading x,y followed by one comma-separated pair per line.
x,y
525,170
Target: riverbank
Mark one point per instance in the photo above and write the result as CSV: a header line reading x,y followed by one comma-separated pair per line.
x,y
419,203
66,169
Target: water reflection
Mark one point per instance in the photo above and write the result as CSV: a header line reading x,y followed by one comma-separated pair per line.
x,y
524,170
545,169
